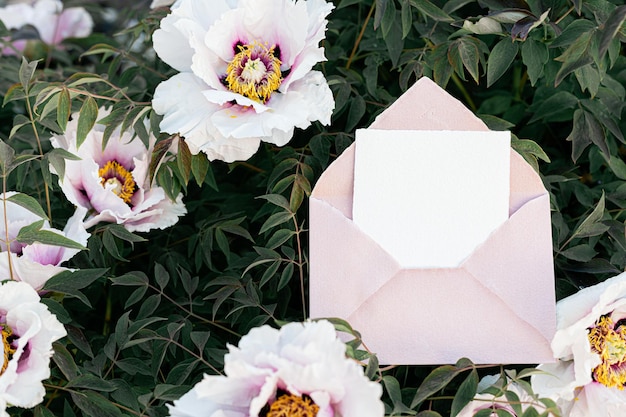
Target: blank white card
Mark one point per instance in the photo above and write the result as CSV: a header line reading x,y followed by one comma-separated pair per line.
x,y
429,198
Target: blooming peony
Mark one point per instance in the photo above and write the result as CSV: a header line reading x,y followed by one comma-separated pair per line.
x,y
35,263
491,402
52,21
589,376
245,73
112,182
28,330
301,367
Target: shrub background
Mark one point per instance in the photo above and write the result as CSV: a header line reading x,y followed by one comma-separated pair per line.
x,y
147,314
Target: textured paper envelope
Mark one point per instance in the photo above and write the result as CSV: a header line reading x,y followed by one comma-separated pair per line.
x,y
497,307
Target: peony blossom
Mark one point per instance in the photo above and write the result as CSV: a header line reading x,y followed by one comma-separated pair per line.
x,y
301,367
52,21
35,263
28,330
112,183
491,402
245,73
589,376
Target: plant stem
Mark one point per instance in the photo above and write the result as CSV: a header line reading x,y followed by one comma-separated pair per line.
x,y
358,39
34,126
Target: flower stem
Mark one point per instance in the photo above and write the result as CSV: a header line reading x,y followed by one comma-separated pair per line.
x,y
360,37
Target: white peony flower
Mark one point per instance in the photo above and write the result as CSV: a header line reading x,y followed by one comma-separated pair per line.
x,y
52,21
245,73
35,263
112,182
589,376
301,367
491,402
28,330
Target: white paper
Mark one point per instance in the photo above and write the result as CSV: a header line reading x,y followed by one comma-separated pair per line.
x,y
429,198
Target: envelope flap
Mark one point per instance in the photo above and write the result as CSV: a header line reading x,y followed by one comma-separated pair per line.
x,y
516,265
340,256
335,185
426,106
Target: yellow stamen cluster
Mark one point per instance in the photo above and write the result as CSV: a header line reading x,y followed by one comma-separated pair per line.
x,y
8,349
113,173
610,344
289,405
254,72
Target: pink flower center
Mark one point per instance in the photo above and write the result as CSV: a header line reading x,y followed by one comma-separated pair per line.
x,y
289,405
254,72
609,342
118,179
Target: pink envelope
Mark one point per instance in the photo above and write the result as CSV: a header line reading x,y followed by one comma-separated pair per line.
x,y
497,307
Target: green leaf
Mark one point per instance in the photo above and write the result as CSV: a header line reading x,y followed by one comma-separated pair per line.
x,y
161,276
428,413
29,203
64,360
554,105
56,157
571,66
277,200
90,381
281,236
276,219
468,51
356,112
535,55
34,234
429,9
27,72
70,282
611,28
585,130
435,381
64,107
514,401
95,405
199,167
393,389
585,227
407,17
465,393
388,20
500,59
183,160
86,120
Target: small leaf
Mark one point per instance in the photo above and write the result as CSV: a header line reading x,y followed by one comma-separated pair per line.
x,y
34,234
535,55
64,107
29,203
95,405
435,381
429,9
86,120
585,129
611,28
595,216
281,236
465,393
500,59
183,160
65,361
27,71
393,389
